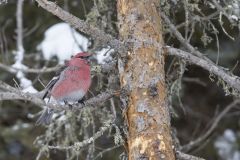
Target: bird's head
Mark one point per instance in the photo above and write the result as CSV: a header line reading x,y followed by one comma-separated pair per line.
x,y
80,58
83,55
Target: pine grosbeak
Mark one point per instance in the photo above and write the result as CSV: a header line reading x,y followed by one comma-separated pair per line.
x,y
70,86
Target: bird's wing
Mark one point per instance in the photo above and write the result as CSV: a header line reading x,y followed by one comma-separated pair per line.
x,y
49,86
54,80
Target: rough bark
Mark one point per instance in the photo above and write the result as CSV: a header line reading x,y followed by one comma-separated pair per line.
x,y
147,114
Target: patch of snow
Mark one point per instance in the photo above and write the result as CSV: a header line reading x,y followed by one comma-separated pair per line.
x,y
227,146
62,41
29,89
236,7
26,125
25,83
234,17
18,126
3,1
230,135
104,55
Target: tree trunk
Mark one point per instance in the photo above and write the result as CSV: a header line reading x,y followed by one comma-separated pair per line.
x,y
147,113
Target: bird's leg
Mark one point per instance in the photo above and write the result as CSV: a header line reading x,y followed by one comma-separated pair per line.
x,y
82,101
70,105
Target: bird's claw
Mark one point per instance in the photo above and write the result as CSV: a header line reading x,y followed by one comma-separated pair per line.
x,y
69,105
82,101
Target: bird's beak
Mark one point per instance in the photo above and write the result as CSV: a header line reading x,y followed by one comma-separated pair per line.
x,y
90,58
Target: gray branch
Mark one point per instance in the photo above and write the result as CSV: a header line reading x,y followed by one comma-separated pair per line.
x,y
182,40
10,93
80,145
184,156
232,80
19,25
13,70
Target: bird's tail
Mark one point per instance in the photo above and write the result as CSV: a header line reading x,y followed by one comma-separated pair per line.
x,y
45,117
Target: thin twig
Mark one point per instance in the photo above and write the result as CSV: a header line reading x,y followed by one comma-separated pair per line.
x,y
180,38
231,80
80,145
184,156
13,70
99,155
215,123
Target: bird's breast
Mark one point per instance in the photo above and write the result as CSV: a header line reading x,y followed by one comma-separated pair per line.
x,y
71,97
73,84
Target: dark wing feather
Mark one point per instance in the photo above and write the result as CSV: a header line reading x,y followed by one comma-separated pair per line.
x,y
47,113
54,80
50,86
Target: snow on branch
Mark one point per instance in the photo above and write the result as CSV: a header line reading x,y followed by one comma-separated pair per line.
x,y
25,83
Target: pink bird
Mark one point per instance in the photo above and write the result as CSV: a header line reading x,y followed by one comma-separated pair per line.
x,y
70,86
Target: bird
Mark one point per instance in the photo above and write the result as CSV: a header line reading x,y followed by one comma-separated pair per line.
x,y
69,87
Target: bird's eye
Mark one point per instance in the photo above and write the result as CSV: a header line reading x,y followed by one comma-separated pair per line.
x,y
85,57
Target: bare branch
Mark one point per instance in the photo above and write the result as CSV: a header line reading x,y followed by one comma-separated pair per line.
x,y
215,123
222,10
6,87
184,156
99,155
231,80
199,59
79,145
194,19
183,41
176,32
13,70
15,94
22,96
19,26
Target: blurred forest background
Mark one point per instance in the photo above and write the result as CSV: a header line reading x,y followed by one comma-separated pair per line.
x,y
196,97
